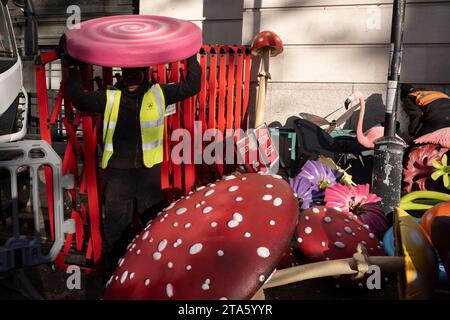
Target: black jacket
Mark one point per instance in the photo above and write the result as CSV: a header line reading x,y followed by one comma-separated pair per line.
x,y
423,120
127,136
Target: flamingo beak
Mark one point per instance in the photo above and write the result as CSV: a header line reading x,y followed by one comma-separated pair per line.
x,y
349,101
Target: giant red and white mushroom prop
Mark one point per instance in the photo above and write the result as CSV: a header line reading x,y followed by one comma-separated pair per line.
x,y
266,44
221,242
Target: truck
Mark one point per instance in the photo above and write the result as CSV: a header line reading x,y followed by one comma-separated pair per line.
x,y
13,97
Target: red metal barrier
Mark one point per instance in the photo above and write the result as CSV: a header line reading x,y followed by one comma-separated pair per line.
x,y
221,104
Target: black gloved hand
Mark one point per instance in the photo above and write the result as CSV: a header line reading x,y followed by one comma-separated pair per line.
x,y
66,60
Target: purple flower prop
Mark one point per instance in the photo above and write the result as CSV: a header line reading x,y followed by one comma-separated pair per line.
x,y
303,190
318,174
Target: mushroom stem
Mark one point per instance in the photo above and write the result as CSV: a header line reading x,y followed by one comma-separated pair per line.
x,y
262,80
331,268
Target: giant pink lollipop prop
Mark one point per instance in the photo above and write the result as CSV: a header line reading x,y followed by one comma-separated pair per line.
x,y
133,40
441,137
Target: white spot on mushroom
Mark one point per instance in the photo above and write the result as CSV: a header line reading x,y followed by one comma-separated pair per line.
x,y
277,202
209,192
308,230
145,235
269,186
263,252
230,177
239,199
180,211
276,176
261,39
162,220
327,219
166,215
177,243
267,197
169,207
213,224
366,226
187,225
196,248
207,210
247,234
220,253
205,285
188,267
121,262
223,298
337,209
238,217
338,234
170,265
202,202
346,220
233,188
162,245
233,223
348,229
299,240
175,224
201,188
272,222
306,218
262,278
157,256
169,290
198,205
132,276
371,236
147,282
364,243
315,210
339,245
138,252
124,277
323,243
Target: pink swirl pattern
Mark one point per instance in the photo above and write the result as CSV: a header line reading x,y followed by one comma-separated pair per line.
x,y
133,40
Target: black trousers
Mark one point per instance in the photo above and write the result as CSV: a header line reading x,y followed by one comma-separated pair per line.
x,y
128,191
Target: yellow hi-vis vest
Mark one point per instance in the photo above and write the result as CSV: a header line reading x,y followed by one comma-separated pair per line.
x,y
151,118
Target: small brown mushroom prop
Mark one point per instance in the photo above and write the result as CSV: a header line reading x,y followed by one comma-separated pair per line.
x,y
221,242
266,44
416,264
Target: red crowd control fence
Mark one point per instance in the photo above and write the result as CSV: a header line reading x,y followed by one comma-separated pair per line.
x,y
221,104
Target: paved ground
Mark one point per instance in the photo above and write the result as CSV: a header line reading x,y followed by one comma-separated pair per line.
x,y
51,284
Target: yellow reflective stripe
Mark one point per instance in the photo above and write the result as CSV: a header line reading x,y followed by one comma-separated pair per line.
x,y
159,97
108,147
152,124
152,145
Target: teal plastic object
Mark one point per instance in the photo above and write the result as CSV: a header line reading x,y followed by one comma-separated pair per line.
x,y
388,244
340,133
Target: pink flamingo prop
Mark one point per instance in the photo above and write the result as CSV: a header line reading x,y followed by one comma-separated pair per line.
x,y
367,138
441,137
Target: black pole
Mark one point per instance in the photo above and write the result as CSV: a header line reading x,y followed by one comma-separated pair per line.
x,y
395,57
388,153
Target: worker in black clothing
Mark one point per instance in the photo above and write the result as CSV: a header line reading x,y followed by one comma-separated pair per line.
x,y
428,111
133,113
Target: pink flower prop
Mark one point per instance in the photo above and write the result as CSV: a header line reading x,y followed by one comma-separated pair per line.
x,y
349,199
361,203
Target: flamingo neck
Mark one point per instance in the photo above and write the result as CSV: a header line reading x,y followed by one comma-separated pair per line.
x,y
362,139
